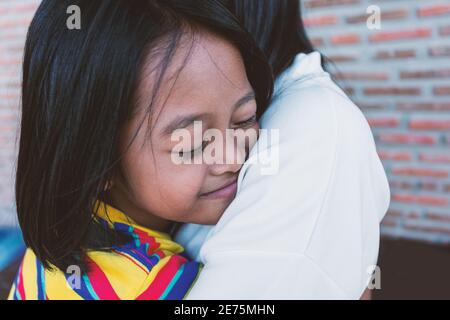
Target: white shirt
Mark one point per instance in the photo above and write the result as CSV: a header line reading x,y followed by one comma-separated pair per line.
x,y
311,230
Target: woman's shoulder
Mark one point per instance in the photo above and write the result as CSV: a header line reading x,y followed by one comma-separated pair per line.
x,y
316,105
306,91
123,273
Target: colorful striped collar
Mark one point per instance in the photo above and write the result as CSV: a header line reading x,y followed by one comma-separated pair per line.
x,y
118,220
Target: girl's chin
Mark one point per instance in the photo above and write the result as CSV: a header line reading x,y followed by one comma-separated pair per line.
x,y
211,211
210,218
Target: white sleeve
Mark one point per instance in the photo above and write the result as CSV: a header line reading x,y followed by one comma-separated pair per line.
x,y
310,230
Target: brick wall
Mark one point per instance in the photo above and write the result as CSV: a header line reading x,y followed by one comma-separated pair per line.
x,y
15,15
399,76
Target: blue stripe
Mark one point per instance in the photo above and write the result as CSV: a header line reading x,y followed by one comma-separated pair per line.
x,y
40,280
84,291
172,283
154,258
185,281
142,258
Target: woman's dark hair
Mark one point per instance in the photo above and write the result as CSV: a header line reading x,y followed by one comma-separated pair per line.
x,y
77,94
277,27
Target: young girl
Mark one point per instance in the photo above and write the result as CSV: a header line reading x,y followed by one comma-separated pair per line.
x,y
311,229
97,192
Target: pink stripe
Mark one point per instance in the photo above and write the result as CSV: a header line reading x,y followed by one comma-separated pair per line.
x,y
20,286
100,282
162,279
160,254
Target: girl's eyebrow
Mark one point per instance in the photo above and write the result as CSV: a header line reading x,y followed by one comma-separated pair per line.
x,y
186,120
249,96
182,122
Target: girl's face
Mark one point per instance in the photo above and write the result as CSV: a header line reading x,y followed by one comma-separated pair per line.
x,y
206,81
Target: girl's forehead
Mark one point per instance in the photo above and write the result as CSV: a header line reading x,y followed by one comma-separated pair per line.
x,y
205,74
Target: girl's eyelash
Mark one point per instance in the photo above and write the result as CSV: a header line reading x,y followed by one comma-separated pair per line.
x,y
193,151
244,123
247,122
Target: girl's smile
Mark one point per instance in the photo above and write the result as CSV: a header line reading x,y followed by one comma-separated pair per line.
x,y
228,191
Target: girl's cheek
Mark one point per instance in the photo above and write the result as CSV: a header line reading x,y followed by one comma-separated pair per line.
x,y
194,177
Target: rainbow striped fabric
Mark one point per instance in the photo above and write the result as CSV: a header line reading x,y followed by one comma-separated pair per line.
x,y
152,267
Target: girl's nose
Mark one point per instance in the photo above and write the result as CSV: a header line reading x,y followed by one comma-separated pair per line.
x,y
232,155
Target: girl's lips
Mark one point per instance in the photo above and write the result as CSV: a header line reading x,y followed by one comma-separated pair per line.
x,y
223,193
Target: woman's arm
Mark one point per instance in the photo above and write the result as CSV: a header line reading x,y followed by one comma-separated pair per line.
x,y
311,229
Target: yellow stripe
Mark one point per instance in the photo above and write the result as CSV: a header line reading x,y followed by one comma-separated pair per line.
x,y
123,275
11,293
29,275
57,286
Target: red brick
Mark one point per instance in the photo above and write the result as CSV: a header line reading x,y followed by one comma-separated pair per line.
x,y
428,106
421,199
442,90
434,10
406,138
385,15
320,21
404,198
435,124
392,213
433,200
378,76
439,216
395,155
370,106
396,54
404,185
399,35
439,51
428,186
390,122
427,74
408,91
420,172
349,38
435,158
328,3
342,57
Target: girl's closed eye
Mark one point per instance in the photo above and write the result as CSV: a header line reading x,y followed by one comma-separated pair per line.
x,y
242,124
248,122
195,151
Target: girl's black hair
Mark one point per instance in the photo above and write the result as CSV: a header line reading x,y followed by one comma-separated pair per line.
x,y
277,27
77,94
